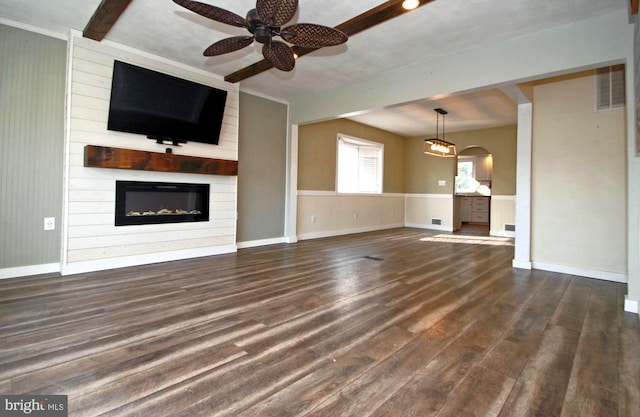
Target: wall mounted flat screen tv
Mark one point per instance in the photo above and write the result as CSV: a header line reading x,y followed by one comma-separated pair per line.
x,y
163,107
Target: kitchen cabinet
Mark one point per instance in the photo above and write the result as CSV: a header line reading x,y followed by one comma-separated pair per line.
x,y
466,207
480,210
484,166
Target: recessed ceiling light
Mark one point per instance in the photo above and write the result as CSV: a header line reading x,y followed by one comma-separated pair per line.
x,y
410,4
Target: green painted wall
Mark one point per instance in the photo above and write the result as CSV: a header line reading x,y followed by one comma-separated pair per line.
x,y
262,163
423,171
32,94
317,154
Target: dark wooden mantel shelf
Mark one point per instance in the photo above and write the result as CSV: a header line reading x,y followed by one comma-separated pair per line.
x,y
119,158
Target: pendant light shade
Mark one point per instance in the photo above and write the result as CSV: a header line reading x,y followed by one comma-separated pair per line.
x,y
436,146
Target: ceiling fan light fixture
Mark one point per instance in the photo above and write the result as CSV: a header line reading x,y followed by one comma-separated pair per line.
x,y
410,4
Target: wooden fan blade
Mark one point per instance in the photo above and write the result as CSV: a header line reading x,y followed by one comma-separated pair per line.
x,y
280,55
370,18
214,13
309,35
228,45
276,12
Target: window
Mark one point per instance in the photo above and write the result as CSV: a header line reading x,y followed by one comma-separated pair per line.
x,y
465,177
359,166
610,87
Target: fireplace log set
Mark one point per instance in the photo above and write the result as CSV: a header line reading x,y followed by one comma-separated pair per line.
x,y
162,212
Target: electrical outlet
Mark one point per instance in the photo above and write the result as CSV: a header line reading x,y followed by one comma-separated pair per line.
x,y
49,223
313,218
355,216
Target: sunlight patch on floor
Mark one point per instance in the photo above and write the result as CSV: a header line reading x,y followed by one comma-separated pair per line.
x,y
471,240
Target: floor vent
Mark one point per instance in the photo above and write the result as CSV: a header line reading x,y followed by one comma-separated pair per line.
x,y
373,258
509,227
436,221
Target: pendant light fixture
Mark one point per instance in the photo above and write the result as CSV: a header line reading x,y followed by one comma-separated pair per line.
x,y
436,146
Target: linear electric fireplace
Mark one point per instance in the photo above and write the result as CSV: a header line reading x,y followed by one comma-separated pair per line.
x,y
140,202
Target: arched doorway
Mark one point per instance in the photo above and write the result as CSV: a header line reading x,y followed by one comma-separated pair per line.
x,y
472,202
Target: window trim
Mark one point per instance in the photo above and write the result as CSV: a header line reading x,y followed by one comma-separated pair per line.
x,y
360,142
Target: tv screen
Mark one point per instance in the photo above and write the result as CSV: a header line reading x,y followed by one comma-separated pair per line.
x,y
164,107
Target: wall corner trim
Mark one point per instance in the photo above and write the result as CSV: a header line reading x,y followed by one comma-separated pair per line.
x,y
631,306
521,264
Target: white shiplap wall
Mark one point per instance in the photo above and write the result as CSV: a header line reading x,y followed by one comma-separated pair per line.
x,y
91,241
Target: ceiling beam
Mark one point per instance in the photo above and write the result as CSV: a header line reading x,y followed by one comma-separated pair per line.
x,y
379,14
103,19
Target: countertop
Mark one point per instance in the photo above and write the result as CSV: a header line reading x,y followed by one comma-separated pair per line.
x,y
472,195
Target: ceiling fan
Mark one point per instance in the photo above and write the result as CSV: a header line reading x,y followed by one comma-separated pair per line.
x,y
264,23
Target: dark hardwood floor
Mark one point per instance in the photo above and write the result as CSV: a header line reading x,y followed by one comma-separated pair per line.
x,y
403,322
473,229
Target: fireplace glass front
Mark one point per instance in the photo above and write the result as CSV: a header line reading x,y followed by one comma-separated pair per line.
x,y
140,202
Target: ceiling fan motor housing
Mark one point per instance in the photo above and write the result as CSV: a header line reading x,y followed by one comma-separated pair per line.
x,y
263,33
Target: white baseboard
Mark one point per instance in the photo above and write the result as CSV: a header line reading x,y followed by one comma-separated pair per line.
x,y
152,258
290,239
631,306
261,242
331,233
503,234
23,271
581,272
521,264
430,227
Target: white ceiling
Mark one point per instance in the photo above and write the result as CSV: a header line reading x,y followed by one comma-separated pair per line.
x,y
438,29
